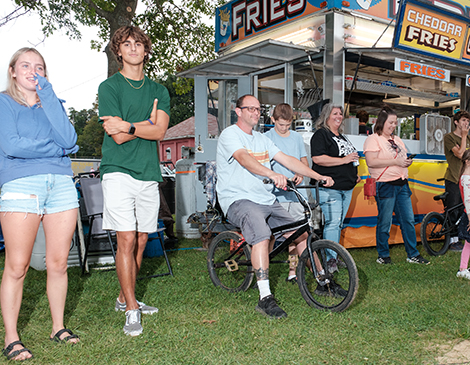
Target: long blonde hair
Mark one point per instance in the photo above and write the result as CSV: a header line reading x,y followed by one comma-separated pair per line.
x,y
12,87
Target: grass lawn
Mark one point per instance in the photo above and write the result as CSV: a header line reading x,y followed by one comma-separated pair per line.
x,y
401,313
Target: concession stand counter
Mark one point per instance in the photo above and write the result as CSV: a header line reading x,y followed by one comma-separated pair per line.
x,y
412,55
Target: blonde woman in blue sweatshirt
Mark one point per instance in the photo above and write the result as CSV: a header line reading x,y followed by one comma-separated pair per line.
x,y
36,185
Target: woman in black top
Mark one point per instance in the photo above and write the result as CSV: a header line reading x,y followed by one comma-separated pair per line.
x,y
334,155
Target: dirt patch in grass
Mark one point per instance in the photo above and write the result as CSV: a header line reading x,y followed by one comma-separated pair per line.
x,y
455,353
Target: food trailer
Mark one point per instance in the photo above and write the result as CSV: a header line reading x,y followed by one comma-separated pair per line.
x,y
412,55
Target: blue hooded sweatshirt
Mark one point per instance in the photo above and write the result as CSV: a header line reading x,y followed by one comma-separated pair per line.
x,y
35,140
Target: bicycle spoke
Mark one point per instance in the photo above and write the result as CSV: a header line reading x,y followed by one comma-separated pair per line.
x,y
229,264
336,285
434,235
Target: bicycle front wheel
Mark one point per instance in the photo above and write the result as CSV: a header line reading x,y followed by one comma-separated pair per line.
x,y
229,264
433,236
337,282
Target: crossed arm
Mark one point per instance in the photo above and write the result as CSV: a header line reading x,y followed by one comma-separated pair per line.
x,y
118,128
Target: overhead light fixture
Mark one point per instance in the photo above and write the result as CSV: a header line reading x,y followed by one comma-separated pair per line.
x,y
302,33
361,16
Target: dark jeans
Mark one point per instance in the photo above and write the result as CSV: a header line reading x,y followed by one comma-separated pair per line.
x,y
395,199
453,199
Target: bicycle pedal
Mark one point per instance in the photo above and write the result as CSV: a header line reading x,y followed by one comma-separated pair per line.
x,y
322,280
231,265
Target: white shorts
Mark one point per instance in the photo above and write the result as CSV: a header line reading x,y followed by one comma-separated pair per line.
x,y
130,204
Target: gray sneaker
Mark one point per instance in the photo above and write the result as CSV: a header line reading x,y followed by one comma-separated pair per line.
x,y
144,308
133,326
332,265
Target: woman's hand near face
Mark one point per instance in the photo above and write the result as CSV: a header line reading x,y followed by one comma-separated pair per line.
x,y
40,81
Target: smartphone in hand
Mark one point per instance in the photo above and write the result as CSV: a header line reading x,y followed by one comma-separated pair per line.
x,y
412,156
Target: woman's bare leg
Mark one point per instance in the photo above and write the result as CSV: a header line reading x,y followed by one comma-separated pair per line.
x,y
58,229
19,232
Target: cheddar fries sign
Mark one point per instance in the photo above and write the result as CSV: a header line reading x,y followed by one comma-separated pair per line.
x,y
425,29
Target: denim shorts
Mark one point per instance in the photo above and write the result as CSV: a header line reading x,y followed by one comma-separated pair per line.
x,y
39,194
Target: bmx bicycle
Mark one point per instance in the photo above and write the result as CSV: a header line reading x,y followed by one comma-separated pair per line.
x,y
437,228
322,285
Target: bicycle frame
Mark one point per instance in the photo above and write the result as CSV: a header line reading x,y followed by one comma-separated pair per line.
x,y
323,283
304,225
448,227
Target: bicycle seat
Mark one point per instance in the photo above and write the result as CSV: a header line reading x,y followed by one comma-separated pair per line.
x,y
442,196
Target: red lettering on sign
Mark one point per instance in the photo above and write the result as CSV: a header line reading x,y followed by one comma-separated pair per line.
x,y
423,70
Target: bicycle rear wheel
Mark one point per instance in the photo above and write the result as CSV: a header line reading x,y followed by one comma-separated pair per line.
x,y
433,236
229,264
337,287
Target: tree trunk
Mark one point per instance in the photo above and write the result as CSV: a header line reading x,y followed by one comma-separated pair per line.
x,y
121,16
113,64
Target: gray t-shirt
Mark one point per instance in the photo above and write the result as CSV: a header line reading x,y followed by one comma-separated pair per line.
x,y
292,145
234,182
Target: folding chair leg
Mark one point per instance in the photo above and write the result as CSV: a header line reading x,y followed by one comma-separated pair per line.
x,y
79,249
110,240
80,240
85,257
87,246
166,258
170,271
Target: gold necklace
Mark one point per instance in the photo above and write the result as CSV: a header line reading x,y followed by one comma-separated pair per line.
x,y
137,88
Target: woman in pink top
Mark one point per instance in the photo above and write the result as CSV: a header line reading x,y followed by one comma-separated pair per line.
x,y
388,163
464,225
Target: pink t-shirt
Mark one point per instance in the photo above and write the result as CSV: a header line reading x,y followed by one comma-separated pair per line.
x,y
465,191
376,143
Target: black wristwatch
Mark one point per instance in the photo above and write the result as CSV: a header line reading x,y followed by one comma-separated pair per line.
x,y
131,129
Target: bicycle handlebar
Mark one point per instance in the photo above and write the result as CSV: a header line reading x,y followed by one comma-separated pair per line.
x,y
291,187
291,184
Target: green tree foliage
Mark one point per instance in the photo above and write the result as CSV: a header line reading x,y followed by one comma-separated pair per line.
x,y
181,103
178,30
407,127
80,118
91,139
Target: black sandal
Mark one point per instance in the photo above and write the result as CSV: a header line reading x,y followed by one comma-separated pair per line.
x,y
66,339
7,351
